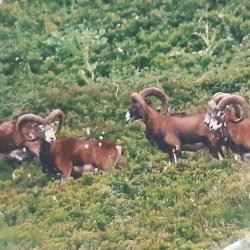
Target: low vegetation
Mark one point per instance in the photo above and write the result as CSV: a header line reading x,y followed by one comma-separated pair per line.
x,y
87,57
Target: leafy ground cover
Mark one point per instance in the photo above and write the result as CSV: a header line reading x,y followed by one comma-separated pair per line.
x,y
87,57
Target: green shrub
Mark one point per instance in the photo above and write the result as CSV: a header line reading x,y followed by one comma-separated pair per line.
x,y
87,57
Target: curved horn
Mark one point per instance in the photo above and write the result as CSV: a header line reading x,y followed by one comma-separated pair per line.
x,y
211,105
28,118
139,99
53,115
217,97
235,100
153,91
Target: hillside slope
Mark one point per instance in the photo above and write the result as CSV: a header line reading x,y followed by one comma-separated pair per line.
x,y
87,57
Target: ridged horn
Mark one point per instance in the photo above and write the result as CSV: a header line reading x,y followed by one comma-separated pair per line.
x,y
236,101
217,97
211,105
153,91
140,100
53,115
28,118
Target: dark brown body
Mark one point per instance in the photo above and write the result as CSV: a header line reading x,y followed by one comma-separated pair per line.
x,y
172,132
69,152
238,136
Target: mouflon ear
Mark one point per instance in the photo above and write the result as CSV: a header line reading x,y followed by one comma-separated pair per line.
x,y
55,125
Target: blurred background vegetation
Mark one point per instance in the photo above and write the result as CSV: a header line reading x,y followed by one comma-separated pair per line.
x,y
86,57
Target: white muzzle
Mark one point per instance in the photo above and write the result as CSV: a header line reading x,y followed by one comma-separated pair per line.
x,y
50,136
127,116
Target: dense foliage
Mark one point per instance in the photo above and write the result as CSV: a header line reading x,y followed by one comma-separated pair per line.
x,y
87,57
